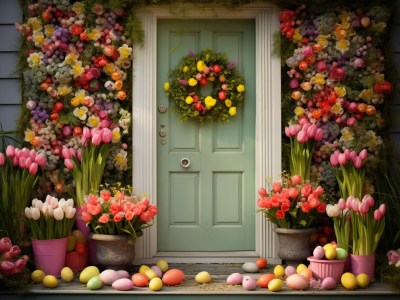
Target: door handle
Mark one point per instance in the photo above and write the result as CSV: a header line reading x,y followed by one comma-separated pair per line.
x,y
185,162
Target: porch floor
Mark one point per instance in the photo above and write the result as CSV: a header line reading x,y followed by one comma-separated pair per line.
x,y
189,289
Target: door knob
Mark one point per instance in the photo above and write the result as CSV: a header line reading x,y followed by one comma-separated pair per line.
x,y
162,108
185,162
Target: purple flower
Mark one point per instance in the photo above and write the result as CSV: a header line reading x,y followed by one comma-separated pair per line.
x,y
232,65
183,82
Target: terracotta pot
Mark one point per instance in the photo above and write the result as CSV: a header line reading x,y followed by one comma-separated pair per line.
x,y
114,251
363,264
294,244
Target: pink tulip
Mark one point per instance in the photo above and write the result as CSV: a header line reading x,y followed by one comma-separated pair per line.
x,y
319,135
349,202
2,159
10,151
106,136
294,129
377,215
357,162
347,154
342,204
296,179
15,161
262,192
22,162
65,153
96,139
33,168
302,136
25,152
369,200
20,264
342,159
334,160
311,131
303,121
5,244
32,155
28,162
72,152
40,159
353,155
86,133
382,209
277,186
363,154
67,130
363,207
79,154
68,164
14,251
105,123
17,153
305,126
287,132
355,205
104,218
393,256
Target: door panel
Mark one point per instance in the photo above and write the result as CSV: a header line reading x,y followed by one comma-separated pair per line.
x,y
208,206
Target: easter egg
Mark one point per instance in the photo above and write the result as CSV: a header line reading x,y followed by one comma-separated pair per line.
x,y
319,252
67,275
163,265
297,282
330,253
156,284
249,283
95,283
203,277
173,277
349,281
122,284
79,236
140,279
234,279
88,273
143,268
37,276
341,253
250,267
275,285
279,271
362,280
150,273
157,270
300,268
261,262
328,283
264,280
109,276
50,281
289,270
123,274
307,273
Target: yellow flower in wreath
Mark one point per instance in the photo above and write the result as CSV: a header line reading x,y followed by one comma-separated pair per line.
x,y
192,82
210,102
185,69
201,66
189,100
228,103
232,111
166,86
240,88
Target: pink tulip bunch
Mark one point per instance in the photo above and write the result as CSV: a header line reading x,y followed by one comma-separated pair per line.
x,y
117,212
88,162
10,261
340,215
302,144
367,223
350,173
50,219
24,159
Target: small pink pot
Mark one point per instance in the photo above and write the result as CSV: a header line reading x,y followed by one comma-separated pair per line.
x,y
363,264
323,268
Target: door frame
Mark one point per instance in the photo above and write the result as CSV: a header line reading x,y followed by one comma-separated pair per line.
x,y
268,124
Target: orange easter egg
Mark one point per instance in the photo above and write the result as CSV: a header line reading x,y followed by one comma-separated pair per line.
x,y
173,277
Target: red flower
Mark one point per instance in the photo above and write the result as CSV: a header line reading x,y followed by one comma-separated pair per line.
x,y
285,206
104,218
321,208
118,217
129,215
337,74
280,214
76,29
146,216
86,216
306,207
306,190
105,194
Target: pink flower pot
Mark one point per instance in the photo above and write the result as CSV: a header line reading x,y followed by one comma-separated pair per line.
x,y
363,264
323,268
50,255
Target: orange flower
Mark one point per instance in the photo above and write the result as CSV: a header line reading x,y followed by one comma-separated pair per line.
x,y
118,85
121,95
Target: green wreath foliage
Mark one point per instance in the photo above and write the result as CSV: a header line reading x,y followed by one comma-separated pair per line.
x,y
197,71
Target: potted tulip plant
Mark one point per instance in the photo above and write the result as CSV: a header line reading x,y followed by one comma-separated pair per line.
x,y
50,223
293,206
117,218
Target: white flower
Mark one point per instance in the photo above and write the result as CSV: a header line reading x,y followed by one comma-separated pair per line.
x,y
70,212
332,210
58,214
28,213
70,202
35,212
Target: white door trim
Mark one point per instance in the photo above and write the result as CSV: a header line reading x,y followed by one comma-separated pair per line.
x,y
268,124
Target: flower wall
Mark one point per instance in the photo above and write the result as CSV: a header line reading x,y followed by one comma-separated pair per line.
x,y
78,59
335,69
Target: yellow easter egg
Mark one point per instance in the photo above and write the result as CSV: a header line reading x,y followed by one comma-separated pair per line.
x,y
362,280
279,271
143,268
275,285
349,281
37,276
50,281
300,268
330,252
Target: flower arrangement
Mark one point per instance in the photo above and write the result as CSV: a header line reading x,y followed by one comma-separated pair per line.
x,y
116,211
292,203
303,137
341,222
199,70
10,260
88,163
51,219
336,75
393,257
78,62
350,173
18,177
367,224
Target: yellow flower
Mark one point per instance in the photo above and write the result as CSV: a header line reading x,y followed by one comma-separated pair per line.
x,y
189,100
228,103
323,40
166,86
297,35
342,45
240,88
64,90
95,34
78,7
347,134
366,94
232,111
93,121
210,102
318,79
344,19
192,82
116,135
185,69
38,38
211,78
71,58
337,109
81,112
109,68
77,69
79,97
49,30
121,160
340,91
201,66
125,51
29,135
35,59
35,24
299,111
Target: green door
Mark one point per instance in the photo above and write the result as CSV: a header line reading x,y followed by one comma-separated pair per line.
x,y
210,205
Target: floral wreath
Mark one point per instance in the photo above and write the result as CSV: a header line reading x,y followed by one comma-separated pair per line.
x,y
196,71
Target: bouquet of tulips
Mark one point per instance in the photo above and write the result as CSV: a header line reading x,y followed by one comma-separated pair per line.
x,y
18,176
51,219
117,211
292,203
10,260
88,163
367,224
341,222
302,143
350,173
